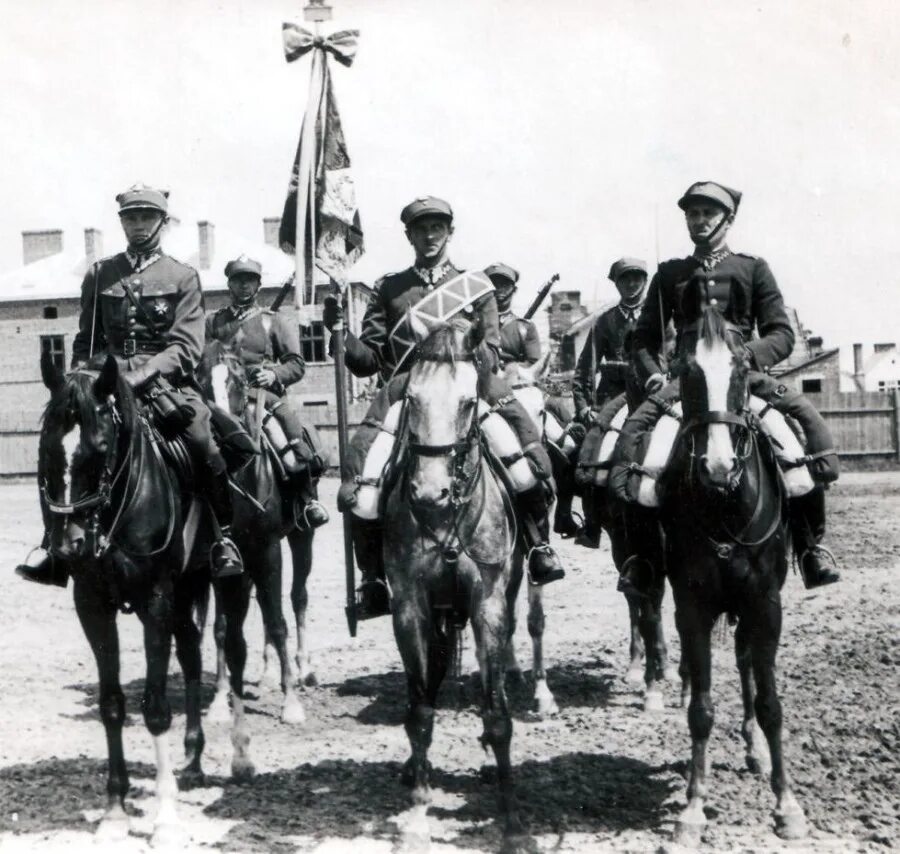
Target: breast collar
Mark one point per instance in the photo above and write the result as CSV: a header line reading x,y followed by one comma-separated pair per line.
x,y
713,259
433,275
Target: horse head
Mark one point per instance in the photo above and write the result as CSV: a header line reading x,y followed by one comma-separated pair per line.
x,y
523,380
714,383
441,405
85,426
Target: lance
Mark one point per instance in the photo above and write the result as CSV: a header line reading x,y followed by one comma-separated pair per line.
x,y
281,296
541,296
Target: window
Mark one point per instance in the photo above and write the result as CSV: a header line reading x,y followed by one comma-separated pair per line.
x,y
50,312
55,345
811,386
312,342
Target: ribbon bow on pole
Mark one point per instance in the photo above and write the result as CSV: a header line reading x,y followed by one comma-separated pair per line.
x,y
299,42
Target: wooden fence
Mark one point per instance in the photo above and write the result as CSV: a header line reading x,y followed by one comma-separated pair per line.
x,y
865,426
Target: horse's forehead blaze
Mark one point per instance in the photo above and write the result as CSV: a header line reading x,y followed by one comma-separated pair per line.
x,y
70,443
439,389
716,362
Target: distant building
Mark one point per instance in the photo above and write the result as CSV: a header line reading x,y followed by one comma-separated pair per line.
x,y
875,368
40,306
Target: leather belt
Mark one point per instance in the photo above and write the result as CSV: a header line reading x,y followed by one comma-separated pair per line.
x,y
131,347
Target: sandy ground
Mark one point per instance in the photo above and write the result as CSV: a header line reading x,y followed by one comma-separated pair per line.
x,y
602,775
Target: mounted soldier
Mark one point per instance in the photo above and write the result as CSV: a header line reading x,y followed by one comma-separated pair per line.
x,y
434,288
710,209
519,341
146,309
269,347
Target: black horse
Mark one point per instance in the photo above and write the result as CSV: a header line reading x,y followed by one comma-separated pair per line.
x,y
724,512
119,519
263,516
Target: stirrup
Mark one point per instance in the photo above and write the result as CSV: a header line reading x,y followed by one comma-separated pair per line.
x,y
551,574
630,584
225,565
372,600
302,521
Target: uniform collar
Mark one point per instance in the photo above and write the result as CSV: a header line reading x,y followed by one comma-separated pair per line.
x,y
710,260
630,314
434,275
506,316
244,312
140,261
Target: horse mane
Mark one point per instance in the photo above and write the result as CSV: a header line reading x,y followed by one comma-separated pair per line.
x,y
440,346
713,326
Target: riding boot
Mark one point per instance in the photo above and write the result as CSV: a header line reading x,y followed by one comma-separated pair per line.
x,y
42,568
563,523
544,565
644,547
589,535
806,517
223,554
309,512
373,599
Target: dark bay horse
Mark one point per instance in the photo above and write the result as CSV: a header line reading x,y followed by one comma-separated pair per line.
x,y
724,514
451,555
263,516
115,514
605,514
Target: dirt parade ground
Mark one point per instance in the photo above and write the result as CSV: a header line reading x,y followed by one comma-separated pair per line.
x,y
601,775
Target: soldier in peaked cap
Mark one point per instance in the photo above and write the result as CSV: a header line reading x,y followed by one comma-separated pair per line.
x,y
709,210
269,346
606,351
519,341
429,228
146,309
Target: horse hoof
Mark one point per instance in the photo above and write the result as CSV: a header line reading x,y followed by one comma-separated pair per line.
x,y
688,833
218,711
270,679
635,674
545,707
113,829
519,843
293,713
169,835
242,772
191,779
758,766
310,681
790,825
653,701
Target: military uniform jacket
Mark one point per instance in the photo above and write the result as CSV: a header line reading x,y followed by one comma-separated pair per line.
x,y
607,341
762,298
169,294
267,339
519,340
369,354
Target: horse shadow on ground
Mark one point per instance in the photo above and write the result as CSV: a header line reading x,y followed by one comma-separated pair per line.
x,y
134,692
574,684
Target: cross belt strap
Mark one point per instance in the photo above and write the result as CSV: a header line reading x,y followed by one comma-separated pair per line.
x,y
503,401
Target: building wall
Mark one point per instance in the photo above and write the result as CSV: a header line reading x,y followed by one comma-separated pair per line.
x,y
826,371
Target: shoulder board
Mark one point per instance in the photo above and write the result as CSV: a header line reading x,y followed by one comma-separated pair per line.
x,y
674,263
748,255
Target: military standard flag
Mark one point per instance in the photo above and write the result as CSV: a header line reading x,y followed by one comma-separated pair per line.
x,y
320,224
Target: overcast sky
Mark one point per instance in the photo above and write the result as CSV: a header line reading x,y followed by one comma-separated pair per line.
x,y
561,132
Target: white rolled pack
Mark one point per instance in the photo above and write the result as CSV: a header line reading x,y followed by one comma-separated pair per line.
x,y
787,447
368,496
504,443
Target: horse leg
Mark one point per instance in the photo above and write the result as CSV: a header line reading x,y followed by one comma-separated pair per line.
x,y
790,822
635,673
235,593
650,622
684,670
491,635
757,753
157,616
268,595
218,711
696,636
510,662
98,620
301,543
544,701
188,638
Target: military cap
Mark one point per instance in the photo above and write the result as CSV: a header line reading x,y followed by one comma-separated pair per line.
x,y
623,265
723,196
141,197
243,264
425,206
504,271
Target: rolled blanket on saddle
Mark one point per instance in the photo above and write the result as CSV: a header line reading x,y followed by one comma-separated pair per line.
x,y
787,419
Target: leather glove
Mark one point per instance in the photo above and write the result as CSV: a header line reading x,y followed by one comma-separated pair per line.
x,y
587,416
141,377
577,432
332,312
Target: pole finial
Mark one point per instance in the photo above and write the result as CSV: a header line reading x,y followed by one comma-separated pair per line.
x,y
317,11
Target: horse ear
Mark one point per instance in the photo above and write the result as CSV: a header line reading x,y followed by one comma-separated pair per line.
x,y
693,299
51,375
539,368
105,384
